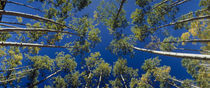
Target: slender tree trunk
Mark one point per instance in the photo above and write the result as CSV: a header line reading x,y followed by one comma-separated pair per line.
x,y
19,73
31,17
8,80
17,3
185,20
99,81
31,45
205,51
14,68
123,81
3,4
119,10
34,30
194,40
31,86
160,4
182,82
89,75
8,25
121,6
178,3
173,84
14,23
174,54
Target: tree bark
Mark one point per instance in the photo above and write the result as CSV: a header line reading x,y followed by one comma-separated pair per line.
x,y
121,6
8,80
8,26
86,86
19,72
14,23
34,30
17,3
3,12
205,51
119,10
31,45
159,4
183,82
185,20
99,81
123,81
178,2
14,68
31,86
174,54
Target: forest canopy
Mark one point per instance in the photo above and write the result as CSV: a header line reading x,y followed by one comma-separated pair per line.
x,y
105,43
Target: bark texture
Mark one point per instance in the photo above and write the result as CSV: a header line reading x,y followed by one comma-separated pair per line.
x,y
174,54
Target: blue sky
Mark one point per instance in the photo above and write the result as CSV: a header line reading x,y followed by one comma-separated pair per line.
x,y
176,68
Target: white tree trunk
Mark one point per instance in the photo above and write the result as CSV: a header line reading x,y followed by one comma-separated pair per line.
x,y
174,54
123,81
8,25
183,82
89,75
30,45
9,80
14,68
3,12
160,4
193,40
34,29
31,86
185,20
99,81
17,3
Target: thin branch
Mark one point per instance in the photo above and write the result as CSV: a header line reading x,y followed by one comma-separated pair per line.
x,y
174,54
31,86
31,45
17,3
34,30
